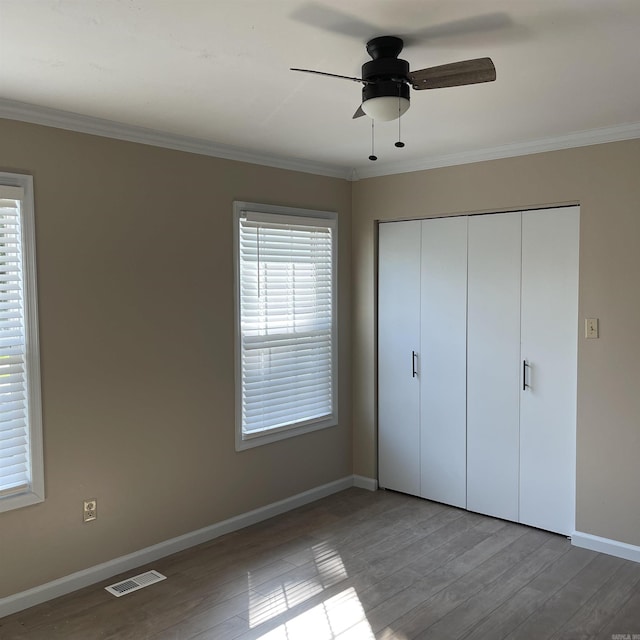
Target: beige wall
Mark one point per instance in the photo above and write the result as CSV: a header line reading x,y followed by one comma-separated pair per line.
x,y
605,181
136,326
135,278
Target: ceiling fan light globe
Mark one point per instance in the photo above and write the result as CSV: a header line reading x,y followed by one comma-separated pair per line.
x,y
385,108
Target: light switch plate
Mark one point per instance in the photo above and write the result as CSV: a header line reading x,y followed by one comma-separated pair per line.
x,y
591,328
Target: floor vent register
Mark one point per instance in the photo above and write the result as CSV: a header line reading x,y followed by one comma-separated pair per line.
x,y
133,584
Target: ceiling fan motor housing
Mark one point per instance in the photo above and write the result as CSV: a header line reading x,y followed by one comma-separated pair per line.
x,y
389,79
388,74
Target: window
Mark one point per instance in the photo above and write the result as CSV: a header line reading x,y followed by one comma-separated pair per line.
x,y
21,474
286,342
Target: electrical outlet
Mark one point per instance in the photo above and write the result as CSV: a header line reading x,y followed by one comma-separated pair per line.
x,y
90,510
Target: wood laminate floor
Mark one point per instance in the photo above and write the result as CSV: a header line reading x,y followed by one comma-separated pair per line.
x,y
360,565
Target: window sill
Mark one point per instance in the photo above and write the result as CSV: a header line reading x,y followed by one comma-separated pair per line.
x,y
249,442
20,500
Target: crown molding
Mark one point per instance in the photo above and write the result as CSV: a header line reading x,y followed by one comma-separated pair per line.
x,y
603,135
13,110
24,112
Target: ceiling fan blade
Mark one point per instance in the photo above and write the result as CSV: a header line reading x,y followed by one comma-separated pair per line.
x,y
461,28
455,74
331,75
359,113
334,20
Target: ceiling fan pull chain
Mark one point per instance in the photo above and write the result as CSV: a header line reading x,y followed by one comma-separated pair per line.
x,y
372,157
399,144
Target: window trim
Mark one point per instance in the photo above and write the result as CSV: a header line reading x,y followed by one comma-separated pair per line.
x,y
35,493
247,441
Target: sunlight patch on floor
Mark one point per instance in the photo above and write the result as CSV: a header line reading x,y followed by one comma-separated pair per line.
x,y
338,618
389,634
265,605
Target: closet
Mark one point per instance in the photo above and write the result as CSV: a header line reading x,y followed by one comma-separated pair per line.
x,y
477,354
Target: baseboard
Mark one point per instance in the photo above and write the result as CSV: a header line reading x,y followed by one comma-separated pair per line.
x,y
606,545
365,483
67,584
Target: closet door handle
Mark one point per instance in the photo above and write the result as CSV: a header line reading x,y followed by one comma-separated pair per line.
x,y
414,361
524,375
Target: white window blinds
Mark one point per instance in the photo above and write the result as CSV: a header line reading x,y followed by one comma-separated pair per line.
x,y
21,473
14,434
287,321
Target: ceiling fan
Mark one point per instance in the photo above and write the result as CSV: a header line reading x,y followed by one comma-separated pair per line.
x,y
387,78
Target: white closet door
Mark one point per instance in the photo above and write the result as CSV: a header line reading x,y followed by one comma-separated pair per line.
x,y
443,367
550,241
493,364
398,369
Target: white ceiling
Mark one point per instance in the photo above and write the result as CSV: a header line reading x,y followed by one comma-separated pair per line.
x,y
217,71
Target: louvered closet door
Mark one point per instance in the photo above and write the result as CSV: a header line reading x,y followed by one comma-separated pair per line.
x,y
398,370
493,364
550,242
443,360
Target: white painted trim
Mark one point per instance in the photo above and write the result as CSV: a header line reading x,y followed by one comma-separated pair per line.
x,y
603,135
35,494
606,545
67,584
24,112
276,213
362,482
